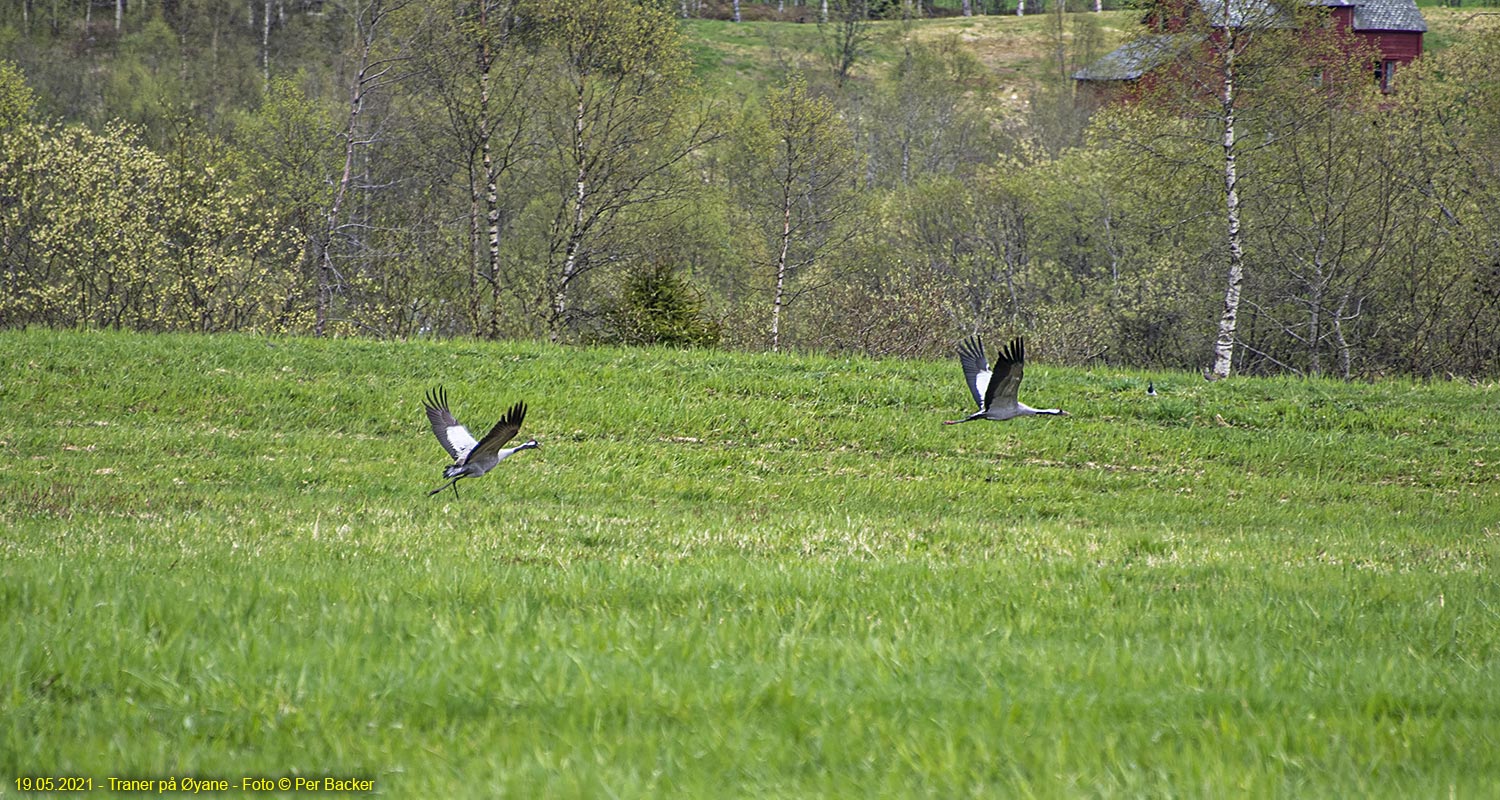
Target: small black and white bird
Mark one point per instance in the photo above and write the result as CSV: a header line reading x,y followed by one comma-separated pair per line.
x,y
995,392
471,458
1151,388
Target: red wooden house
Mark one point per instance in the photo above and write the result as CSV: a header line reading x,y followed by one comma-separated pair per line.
x,y
1392,28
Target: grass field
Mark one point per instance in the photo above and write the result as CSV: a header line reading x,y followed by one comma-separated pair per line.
x,y
739,575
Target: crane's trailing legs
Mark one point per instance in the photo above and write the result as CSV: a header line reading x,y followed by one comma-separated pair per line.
x,y
453,483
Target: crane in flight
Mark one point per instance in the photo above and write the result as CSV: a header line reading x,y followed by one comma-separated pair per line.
x,y
995,390
472,458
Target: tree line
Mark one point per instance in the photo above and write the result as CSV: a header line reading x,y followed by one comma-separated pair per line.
x,y
552,168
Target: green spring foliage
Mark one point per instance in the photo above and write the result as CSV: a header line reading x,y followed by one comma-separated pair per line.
x,y
526,164
124,238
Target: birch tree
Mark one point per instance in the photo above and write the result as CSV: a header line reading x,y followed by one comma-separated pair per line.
x,y
847,34
1228,49
924,117
623,129
1327,212
471,66
371,73
1236,63
801,188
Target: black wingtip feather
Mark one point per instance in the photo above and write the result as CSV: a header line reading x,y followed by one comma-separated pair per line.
x,y
1014,352
517,414
972,347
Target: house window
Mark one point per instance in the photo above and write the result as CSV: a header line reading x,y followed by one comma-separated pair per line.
x,y
1385,75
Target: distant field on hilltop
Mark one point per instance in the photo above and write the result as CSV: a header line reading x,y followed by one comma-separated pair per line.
x,y
744,58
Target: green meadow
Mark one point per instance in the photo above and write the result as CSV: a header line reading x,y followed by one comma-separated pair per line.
x,y
739,575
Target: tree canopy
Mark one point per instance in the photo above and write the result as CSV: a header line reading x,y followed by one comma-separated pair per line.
x,y
520,168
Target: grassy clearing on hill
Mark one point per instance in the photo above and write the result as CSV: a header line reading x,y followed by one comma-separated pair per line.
x,y
744,59
739,575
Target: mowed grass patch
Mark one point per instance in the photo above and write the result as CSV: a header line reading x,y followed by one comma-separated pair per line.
x,y
737,574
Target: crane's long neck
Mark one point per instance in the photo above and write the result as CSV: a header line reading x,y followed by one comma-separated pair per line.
x,y
510,451
1024,410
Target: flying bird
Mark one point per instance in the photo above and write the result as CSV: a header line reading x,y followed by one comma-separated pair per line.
x,y
471,458
995,392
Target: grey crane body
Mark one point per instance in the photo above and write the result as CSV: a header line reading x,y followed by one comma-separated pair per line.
x,y
995,390
472,458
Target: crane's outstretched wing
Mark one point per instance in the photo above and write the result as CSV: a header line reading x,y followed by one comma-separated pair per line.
x,y
504,430
1006,383
976,370
454,437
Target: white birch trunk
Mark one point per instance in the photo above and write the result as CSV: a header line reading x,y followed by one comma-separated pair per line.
x,y
491,180
580,199
1224,342
492,246
1345,359
327,272
265,47
1317,294
475,322
781,266
326,269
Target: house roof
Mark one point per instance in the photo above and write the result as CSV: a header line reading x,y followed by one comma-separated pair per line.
x,y
1382,15
1388,15
1369,15
1135,58
1243,13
